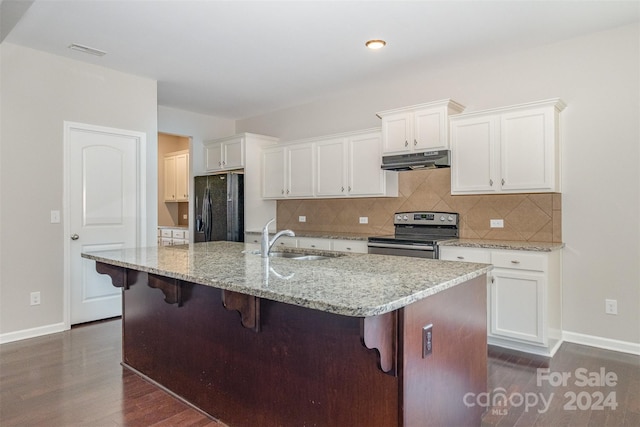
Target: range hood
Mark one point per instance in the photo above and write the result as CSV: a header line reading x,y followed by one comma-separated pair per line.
x,y
417,161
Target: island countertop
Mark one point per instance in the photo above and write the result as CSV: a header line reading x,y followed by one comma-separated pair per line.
x,y
358,285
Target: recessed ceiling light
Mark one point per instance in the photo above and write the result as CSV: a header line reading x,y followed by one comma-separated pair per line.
x,y
87,49
375,44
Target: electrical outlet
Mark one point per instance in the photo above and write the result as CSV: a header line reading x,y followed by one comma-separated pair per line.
x,y
185,216
35,298
363,220
427,340
302,218
496,223
611,306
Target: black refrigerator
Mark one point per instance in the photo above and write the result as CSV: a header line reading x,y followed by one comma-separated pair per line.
x,y
219,207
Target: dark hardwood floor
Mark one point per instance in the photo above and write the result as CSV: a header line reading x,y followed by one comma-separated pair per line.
x,y
74,378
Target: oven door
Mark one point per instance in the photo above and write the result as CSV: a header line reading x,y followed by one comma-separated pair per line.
x,y
416,250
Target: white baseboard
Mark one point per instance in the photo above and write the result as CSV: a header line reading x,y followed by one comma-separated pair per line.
x,y
600,342
32,333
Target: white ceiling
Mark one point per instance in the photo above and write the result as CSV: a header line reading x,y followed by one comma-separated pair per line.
x,y
238,59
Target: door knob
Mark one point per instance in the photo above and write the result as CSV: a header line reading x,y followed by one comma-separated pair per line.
x,y
74,237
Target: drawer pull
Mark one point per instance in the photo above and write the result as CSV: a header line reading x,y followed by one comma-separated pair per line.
x,y
515,262
460,257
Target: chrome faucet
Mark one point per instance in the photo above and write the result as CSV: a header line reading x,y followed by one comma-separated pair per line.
x,y
266,244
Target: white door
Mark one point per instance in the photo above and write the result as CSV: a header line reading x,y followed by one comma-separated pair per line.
x,y
103,212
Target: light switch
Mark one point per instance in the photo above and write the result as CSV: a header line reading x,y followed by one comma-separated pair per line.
x,y
55,217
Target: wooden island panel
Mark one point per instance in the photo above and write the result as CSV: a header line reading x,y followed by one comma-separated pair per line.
x,y
307,367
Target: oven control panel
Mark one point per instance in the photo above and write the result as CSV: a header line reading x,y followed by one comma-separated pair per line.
x,y
426,218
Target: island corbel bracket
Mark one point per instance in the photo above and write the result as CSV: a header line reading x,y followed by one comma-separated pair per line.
x,y
380,333
169,286
118,274
247,305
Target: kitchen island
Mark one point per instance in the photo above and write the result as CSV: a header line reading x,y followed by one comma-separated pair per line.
x,y
351,340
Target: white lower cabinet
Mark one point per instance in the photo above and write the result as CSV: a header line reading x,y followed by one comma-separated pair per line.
x,y
320,243
172,236
523,296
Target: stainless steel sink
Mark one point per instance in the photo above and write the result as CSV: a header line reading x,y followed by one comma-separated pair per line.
x,y
297,256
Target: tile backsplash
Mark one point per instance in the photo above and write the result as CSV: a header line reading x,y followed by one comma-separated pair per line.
x,y
527,217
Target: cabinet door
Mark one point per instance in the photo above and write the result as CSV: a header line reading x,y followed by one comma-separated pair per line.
x,y
396,132
527,150
182,177
331,162
233,156
473,155
517,305
213,157
430,129
366,178
170,179
300,167
273,173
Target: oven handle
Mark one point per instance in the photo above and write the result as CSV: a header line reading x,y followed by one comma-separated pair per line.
x,y
416,247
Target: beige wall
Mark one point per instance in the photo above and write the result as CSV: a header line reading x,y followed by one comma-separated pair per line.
x,y
597,76
39,92
527,217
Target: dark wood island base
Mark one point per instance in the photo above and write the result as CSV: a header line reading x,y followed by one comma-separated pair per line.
x,y
249,361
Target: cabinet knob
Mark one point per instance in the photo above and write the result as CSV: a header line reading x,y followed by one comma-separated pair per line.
x,y
415,142
224,163
491,182
282,191
406,143
74,237
219,163
349,188
287,191
502,181
342,189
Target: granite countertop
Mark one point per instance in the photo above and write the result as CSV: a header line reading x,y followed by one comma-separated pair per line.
x,y
358,285
500,244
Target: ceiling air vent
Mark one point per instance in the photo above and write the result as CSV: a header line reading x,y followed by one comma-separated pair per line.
x,y
87,49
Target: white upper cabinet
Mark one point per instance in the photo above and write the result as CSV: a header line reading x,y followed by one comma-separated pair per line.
x,y
366,178
176,176
418,128
343,165
287,171
224,154
300,170
507,150
332,168
349,166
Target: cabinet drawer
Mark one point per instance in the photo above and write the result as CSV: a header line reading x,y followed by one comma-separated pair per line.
x,y
165,232
308,243
179,234
519,260
285,242
354,246
449,253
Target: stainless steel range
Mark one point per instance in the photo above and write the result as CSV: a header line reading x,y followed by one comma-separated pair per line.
x,y
416,234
